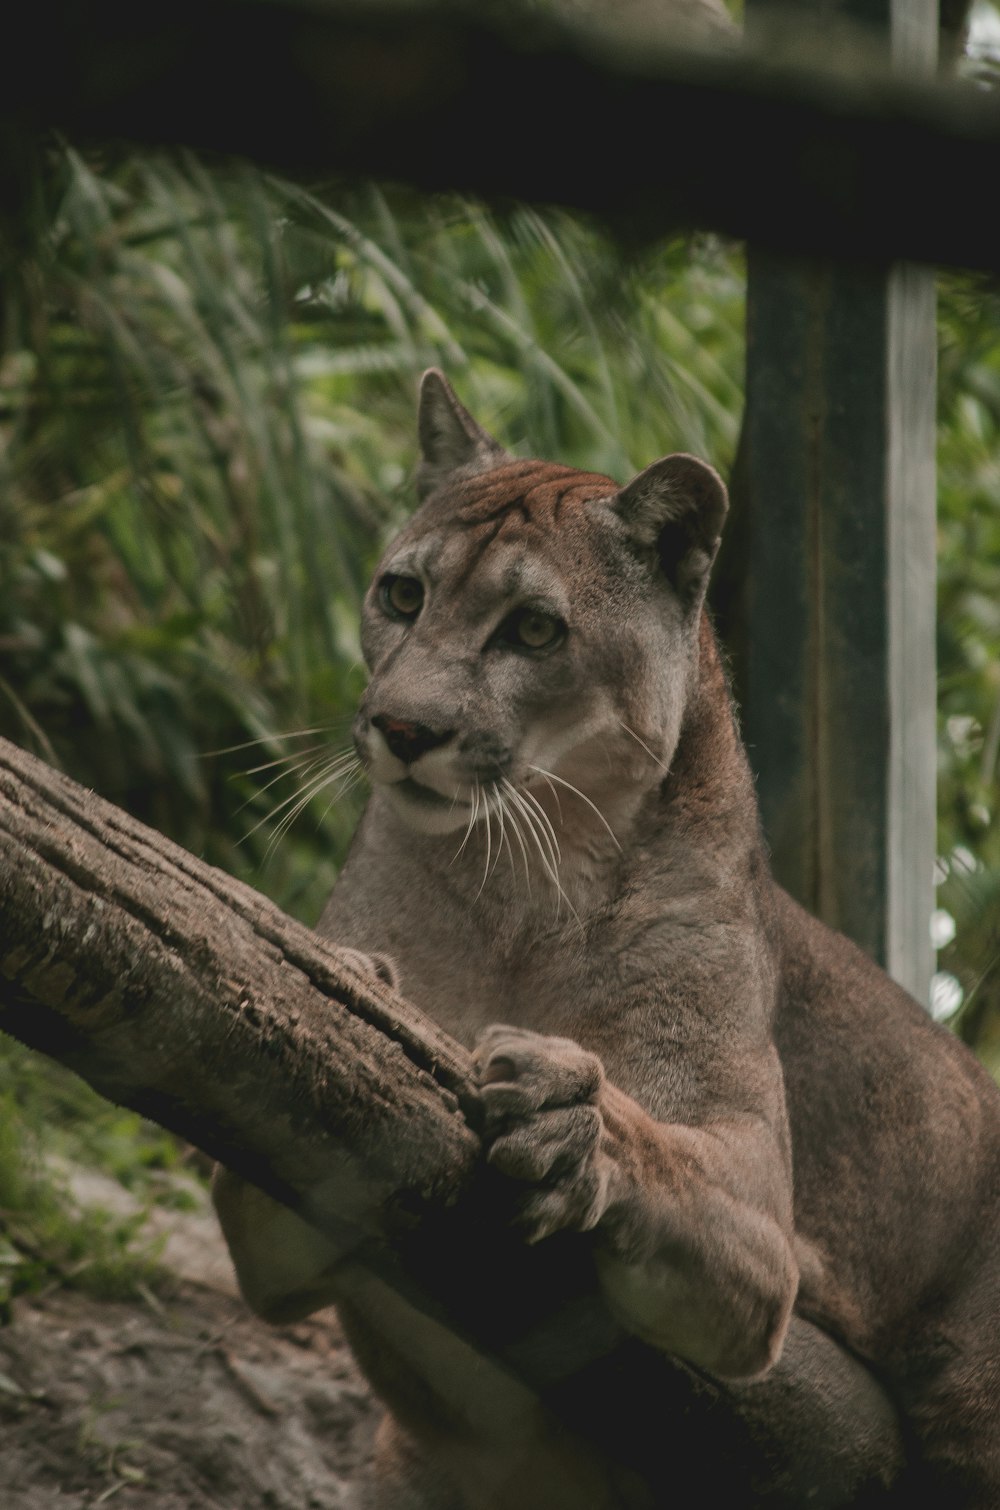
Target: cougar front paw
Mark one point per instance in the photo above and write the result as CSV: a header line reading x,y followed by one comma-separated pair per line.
x,y
543,1126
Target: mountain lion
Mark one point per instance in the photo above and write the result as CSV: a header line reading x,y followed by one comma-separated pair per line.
x,y
765,1140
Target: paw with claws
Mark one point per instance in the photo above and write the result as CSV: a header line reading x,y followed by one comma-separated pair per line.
x,y
543,1126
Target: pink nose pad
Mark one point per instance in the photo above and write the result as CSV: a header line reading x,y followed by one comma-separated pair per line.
x,y
408,741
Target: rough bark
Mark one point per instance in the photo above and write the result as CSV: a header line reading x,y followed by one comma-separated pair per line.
x,y
181,993
177,991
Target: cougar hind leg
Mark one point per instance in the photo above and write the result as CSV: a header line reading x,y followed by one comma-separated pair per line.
x,y
403,1479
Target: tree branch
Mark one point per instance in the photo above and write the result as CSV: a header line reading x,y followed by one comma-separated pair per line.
x,y
184,994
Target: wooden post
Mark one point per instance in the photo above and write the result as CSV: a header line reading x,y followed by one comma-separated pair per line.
x,y
838,475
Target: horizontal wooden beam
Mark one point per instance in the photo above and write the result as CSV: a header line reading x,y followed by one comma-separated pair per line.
x,y
851,163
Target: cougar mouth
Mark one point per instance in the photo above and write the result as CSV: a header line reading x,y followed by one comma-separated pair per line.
x,y
426,795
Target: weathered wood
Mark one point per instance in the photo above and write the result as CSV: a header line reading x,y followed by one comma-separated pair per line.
x,y
837,480
184,994
911,505
787,152
180,992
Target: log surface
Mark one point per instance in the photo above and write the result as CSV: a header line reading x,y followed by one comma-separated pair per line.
x,y
167,985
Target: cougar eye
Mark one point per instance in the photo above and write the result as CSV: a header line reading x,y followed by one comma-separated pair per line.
x,y
401,597
532,629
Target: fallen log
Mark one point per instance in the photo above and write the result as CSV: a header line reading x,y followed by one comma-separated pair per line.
x,y
184,994
176,990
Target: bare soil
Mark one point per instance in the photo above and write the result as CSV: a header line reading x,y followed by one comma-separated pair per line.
x,y
183,1403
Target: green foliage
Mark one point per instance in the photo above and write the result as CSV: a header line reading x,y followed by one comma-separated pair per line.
x,y
207,390
50,1121
207,409
969,650
183,546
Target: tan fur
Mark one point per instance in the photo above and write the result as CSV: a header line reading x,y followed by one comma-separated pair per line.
x,y
745,1114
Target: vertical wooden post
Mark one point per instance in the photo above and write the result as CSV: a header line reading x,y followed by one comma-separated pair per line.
x,y
838,475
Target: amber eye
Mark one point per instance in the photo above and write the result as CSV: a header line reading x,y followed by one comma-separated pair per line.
x,y
531,629
401,597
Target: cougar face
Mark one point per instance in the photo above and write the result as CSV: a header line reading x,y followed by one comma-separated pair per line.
x,y
517,638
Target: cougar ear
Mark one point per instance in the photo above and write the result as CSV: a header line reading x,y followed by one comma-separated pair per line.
x,y
675,508
449,437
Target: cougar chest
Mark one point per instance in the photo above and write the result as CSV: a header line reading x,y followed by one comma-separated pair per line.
x,y
539,982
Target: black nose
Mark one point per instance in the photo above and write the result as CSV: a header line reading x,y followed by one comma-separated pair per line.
x,y
408,741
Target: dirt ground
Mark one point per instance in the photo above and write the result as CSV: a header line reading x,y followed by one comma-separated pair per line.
x,y
182,1403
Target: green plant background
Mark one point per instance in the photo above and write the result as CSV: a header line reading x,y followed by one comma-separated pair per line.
x,y
207,385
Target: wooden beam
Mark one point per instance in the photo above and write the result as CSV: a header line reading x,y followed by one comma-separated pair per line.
x,y
782,149
837,475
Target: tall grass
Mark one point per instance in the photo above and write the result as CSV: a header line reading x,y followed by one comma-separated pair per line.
x,y
969,652
208,389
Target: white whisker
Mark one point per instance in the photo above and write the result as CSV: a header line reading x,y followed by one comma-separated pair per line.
x,y
352,779
273,739
555,795
316,786
301,771
642,743
330,767
501,807
546,822
285,760
512,814
331,771
541,829
473,815
284,803
540,840
539,836
583,798
489,846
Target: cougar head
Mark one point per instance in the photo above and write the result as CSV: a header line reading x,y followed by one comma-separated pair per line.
x,y
532,625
